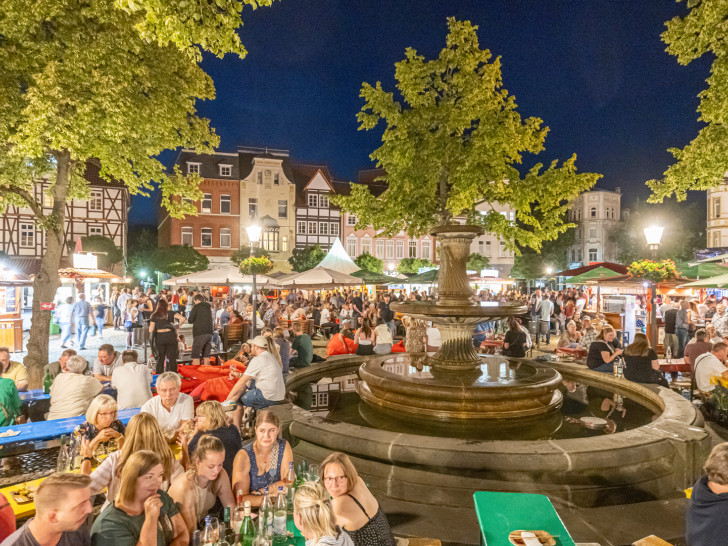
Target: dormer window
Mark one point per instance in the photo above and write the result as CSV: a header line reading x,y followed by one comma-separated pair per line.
x,y
276,179
226,170
193,168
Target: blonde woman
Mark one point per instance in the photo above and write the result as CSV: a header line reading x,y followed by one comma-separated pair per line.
x,y
415,334
141,512
355,508
101,424
210,419
314,517
142,433
197,490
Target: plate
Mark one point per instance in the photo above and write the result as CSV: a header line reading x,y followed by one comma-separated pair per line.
x,y
545,538
593,422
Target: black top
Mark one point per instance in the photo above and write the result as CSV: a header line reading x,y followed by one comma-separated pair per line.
x,y
357,307
163,323
375,532
516,344
670,316
594,358
639,368
201,319
230,438
385,313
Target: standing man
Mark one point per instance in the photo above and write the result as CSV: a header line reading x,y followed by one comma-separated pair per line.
x,y
9,369
82,312
100,316
386,314
669,315
64,312
202,327
544,310
682,327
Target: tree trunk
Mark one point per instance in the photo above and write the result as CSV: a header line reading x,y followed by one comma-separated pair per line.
x,y
47,280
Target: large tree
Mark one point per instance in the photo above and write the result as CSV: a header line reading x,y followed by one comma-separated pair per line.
x,y
453,138
146,256
112,80
369,263
529,264
303,259
703,163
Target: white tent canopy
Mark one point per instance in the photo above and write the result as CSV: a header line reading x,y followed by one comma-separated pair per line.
x,y
318,278
337,259
225,275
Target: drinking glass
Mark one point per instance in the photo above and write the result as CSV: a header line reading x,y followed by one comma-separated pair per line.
x,y
314,472
215,524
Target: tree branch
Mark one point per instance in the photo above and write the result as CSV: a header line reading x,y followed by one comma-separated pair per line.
x,y
28,198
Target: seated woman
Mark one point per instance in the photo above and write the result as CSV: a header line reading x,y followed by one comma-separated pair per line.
x,y
10,404
515,340
355,508
314,517
141,512
570,338
142,433
101,424
365,338
603,351
383,335
198,489
242,356
264,462
72,392
640,362
210,420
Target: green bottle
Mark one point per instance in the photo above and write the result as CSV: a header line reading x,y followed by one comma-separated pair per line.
x,y
247,529
47,382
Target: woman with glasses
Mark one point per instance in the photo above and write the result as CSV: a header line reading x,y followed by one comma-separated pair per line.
x,y
101,424
356,510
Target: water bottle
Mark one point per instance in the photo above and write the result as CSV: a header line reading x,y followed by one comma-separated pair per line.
x,y
209,537
280,534
261,538
668,355
47,382
266,508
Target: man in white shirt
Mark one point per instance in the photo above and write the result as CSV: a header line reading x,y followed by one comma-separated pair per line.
x,y
545,309
171,408
107,360
131,381
711,364
122,299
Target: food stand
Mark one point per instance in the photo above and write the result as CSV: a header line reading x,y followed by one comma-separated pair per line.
x,y
11,322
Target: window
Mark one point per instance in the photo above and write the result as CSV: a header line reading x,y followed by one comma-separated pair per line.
x,y
301,227
716,239
578,214
390,250
270,239
324,202
276,179
283,209
593,254
96,201
351,246
323,228
592,233
47,200
187,236
225,241
207,202
260,177
95,230
412,249
579,255
284,244
350,220
193,168
425,250
27,235
716,207
593,212
335,229
481,247
253,207
313,200
487,249
380,249
224,204
206,237
312,228
366,244
226,170
399,245
503,249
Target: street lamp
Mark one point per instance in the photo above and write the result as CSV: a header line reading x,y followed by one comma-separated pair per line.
x,y
653,234
253,237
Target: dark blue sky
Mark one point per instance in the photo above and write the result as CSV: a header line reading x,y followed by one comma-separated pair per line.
x,y
596,72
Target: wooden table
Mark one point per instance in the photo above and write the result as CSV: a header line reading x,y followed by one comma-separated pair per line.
x,y
490,346
576,352
676,365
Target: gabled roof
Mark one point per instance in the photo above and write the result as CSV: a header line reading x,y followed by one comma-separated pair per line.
x,y
209,163
248,154
618,269
92,175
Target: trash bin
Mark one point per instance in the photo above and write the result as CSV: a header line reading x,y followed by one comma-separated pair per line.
x,y
54,329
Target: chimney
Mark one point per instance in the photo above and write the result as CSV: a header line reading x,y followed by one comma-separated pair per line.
x,y
618,190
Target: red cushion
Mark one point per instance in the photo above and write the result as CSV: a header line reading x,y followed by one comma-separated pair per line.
x,y
337,347
399,347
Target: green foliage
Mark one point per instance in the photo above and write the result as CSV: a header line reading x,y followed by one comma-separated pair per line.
x,y
254,265
702,164
530,264
652,271
175,260
413,265
108,253
244,252
684,231
307,258
454,141
369,263
477,262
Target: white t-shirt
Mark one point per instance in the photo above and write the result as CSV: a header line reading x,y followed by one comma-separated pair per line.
x,y
705,367
268,376
433,337
132,381
64,313
183,410
325,316
71,395
580,303
107,370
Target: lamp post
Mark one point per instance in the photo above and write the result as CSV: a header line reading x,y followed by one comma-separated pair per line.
x,y
253,237
653,234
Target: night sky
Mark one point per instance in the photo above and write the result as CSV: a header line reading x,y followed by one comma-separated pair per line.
x,y
596,72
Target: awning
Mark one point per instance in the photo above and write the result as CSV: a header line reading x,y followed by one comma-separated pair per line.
x,y
82,274
618,269
220,276
319,278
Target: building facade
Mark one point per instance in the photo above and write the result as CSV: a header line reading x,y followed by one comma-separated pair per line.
x,y
318,220
104,213
596,214
493,247
717,232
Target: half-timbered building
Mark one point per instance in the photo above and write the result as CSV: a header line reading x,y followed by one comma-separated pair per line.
x,y
318,220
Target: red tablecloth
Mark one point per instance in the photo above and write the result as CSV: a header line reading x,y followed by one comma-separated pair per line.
x,y
677,365
576,352
492,343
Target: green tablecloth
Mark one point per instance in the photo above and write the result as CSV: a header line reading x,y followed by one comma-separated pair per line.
x,y
500,513
297,539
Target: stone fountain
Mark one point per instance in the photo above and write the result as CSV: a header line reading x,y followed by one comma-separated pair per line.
x,y
456,388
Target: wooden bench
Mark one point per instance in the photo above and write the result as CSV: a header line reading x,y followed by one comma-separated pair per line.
x,y
234,333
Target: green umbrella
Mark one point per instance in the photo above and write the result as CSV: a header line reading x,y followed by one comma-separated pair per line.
x,y
428,277
369,277
700,271
593,275
713,282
